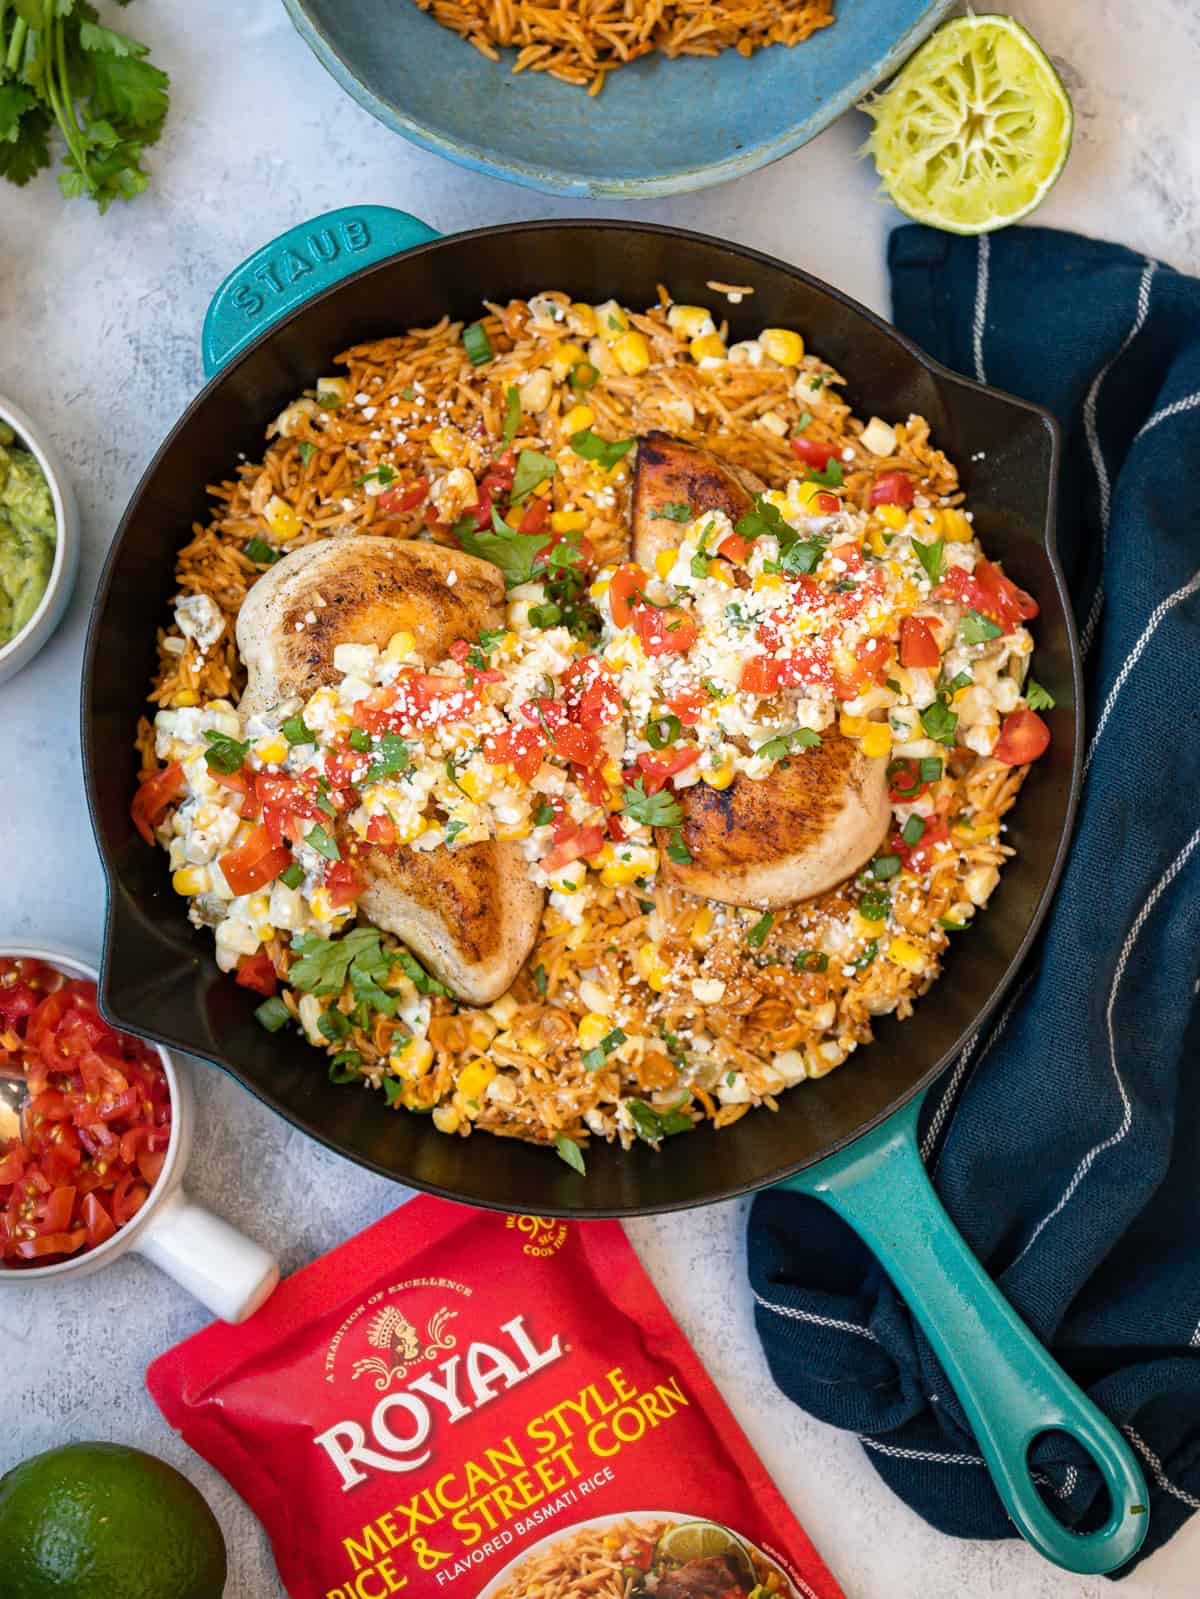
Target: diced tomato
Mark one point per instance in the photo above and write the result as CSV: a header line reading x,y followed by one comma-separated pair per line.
x,y
760,675
153,798
343,883
241,782
816,455
598,703
658,769
393,501
581,843
1023,737
920,856
905,783
255,863
616,829
688,704
128,1197
666,631
381,830
918,646
871,657
257,971
827,504
16,1003
536,516
498,480
628,582
96,1219
522,748
583,555
281,799
989,592
892,488
734,547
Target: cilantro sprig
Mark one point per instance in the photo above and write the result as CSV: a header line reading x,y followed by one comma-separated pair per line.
x,y
652,810
59,66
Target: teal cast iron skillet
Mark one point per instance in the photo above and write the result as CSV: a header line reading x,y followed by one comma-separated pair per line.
x,y
658,127
848,1138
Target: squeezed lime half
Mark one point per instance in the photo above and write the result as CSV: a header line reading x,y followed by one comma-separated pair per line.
x,y
976,128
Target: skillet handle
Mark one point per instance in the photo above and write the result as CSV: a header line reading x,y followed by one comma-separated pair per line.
x,y
1006,1382
298,264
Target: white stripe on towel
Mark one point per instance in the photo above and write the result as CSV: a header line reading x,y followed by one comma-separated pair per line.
x,y
1135,655
1156,1468
1176,408
981,299
920,1454
1093,440
1085,1165
792,1314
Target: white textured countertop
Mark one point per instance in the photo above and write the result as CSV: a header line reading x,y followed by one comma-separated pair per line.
x,y
99,325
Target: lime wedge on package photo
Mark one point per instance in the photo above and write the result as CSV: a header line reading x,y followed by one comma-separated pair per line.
x,y
974,130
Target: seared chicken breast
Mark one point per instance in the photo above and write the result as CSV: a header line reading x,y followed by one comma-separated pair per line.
x,y
470,914
358,591
814,821
670,472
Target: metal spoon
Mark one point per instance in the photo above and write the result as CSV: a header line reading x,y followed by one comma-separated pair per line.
x,y
14,1091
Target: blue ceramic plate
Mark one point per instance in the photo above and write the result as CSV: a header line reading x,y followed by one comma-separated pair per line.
x,y
658,127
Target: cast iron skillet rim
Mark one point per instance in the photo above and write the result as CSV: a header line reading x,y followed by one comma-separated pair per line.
x,y
1049,542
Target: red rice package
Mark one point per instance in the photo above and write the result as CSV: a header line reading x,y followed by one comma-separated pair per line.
x,y
481,1406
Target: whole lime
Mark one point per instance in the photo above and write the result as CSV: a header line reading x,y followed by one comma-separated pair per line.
x,y
97,1521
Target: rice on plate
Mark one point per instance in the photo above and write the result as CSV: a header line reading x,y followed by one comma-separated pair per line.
x,y
850,608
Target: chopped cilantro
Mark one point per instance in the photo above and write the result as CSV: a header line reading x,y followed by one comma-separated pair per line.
x,y
359,741
292,876
418,976
960,680
570,1151
756,937
765,518
453,829
512,412
607,452
654,1124
804,422
780,747
930,557
675,511
830,478
867,955
262,553
939,721
678,851
392,757
593,1059
307,451
320,840
382,475
345,1067
544,814
1036,697
532,468
977,629
332,1024
325,962
803,557
652,810
224,754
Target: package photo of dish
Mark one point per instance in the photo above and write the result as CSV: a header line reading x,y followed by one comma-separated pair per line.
x,y
597,962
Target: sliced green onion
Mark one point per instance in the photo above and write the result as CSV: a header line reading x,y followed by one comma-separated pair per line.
x,y
913,830
583,375
757,935
272,1014
262,553
296,731
885,866
477,344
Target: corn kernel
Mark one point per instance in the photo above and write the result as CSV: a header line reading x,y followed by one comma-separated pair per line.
x,y
508,831
892,516
902,952
852,726
702,924
582,319
664,561
782,345
806,492
399,647
473,1079
281,519
503,1010
578,418
649,963
708,347
186,696
766,581
564,356
577,934
619,873
473,784
272,751
774,424
332,393
190,880
926,521
719,777
689,321
721,573
877,539
632,353
445,1118
876,740
416,1056
446,444
611,321
592,1029
955,527
323,907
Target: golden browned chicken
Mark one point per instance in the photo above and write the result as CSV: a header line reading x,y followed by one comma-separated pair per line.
x,y
814,821
670,472
820,814
357,591
471,914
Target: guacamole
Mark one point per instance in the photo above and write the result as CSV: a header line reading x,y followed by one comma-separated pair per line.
x,y
27,536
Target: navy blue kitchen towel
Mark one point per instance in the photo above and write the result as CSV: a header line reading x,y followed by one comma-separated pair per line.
x,y
1065,1142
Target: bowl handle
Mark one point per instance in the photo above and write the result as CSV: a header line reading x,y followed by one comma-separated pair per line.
x,y
298,264
223,1268
1006,1382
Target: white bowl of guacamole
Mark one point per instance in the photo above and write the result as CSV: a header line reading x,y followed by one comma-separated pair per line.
x,y
39,540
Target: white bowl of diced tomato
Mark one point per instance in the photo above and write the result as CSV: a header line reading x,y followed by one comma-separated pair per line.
x,y
96,1166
